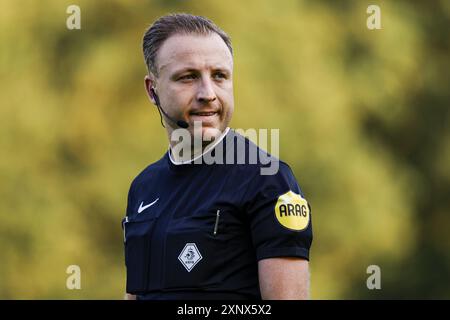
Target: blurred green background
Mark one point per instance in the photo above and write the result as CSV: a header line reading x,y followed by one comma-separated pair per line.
x,y
363,117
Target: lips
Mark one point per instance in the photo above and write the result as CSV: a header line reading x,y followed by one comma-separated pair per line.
x,y
203,113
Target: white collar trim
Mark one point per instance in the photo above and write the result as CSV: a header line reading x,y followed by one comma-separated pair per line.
x,y
207,149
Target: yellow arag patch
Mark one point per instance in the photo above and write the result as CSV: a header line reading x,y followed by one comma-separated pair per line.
x,y
292,211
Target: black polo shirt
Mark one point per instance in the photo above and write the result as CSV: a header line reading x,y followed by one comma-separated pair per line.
x,y
197,231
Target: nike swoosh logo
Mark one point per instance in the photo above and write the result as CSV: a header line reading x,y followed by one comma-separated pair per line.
x,y
142,208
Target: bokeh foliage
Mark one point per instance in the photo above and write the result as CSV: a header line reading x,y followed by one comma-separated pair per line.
x,y
363,118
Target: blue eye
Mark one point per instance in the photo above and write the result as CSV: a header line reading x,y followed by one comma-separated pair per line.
x,y
219,75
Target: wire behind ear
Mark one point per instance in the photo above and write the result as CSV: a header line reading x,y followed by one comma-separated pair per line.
x,y
155,96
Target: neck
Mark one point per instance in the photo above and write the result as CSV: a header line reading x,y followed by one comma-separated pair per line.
x,y
196,150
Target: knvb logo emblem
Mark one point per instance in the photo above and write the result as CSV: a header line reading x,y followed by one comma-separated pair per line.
x,y
190,256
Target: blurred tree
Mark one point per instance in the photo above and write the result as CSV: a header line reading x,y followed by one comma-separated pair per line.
x,y
363,118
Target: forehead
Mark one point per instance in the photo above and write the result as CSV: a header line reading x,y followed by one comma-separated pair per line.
x,y
193,51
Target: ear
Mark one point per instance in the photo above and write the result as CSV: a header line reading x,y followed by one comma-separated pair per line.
x,y
149,83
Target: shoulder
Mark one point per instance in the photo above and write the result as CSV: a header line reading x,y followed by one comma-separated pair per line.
x,y
267,178
143,177
259,163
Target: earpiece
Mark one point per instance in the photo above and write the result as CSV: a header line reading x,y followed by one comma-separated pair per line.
x,y
155,96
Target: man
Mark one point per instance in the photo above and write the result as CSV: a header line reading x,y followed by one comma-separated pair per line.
x,y
196,230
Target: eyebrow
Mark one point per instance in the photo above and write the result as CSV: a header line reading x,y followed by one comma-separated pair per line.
x,y
192,69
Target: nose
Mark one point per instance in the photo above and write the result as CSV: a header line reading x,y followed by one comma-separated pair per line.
x,y
206,92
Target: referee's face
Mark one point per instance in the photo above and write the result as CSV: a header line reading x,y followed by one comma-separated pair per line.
x,y
195,82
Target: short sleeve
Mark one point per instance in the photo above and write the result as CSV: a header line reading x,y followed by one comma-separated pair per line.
x,y
279,215
129,207
130,199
